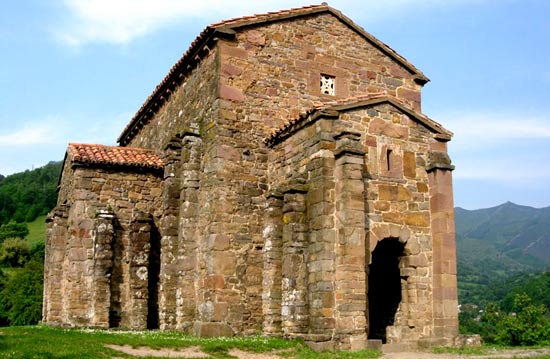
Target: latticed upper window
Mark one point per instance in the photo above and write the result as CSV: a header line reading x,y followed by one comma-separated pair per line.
x,y
327,84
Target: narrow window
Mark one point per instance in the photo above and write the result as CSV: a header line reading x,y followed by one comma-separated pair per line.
x,y
327,84
388,159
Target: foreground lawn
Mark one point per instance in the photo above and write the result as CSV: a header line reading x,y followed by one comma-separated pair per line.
x,y
51,343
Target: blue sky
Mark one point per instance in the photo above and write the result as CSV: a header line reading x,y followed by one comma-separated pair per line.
x,y
77,70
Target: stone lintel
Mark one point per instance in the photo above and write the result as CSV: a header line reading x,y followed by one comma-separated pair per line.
x,y
442,137
348,152
347,135
295,188
275,194
173,144
348,144
225,32
439,160
61,211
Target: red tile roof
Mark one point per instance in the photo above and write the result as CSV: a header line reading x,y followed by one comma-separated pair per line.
x,y
202,44
332,108
114,155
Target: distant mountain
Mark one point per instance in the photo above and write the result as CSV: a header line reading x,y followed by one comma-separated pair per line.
x,y
496,243
514,230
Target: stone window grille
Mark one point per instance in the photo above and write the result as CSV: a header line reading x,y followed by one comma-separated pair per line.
x,y
327,84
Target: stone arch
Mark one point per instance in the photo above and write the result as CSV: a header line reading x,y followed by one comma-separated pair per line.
x,y
384,286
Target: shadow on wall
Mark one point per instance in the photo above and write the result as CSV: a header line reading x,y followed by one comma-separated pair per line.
x,y
153,283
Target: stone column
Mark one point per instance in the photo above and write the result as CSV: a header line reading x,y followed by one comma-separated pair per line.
x,y
350,263
272,275
103,265
56,243
321,281
169,224
188,246
445,302
78,279
294,304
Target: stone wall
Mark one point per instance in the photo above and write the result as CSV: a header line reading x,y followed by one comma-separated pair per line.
x,y
246,238
98,241
362,176
190,107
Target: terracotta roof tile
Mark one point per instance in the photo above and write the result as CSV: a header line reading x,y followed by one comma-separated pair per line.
x,y
114,155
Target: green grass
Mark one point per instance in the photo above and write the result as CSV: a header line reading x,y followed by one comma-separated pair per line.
x,y
462,351
54,343
37,230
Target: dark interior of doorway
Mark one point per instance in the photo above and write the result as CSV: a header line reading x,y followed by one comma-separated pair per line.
x,y
384,287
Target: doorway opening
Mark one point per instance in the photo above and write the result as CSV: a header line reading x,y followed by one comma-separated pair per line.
x,y
384,287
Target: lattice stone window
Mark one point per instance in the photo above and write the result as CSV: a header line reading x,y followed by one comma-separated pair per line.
x,y
327,84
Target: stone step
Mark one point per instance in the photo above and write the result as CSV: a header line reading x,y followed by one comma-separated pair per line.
x,y
395,348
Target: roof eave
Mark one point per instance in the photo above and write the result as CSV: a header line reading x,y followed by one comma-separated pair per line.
x,y
439,132
210,34
176,75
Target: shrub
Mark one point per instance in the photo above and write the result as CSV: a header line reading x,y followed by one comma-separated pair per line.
x,y
15,252
21,297
13,230
526,325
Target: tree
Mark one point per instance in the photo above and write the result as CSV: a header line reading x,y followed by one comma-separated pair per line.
x,y
13,230
527,325
15,252
21,297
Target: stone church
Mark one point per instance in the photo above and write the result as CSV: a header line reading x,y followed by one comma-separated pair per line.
x,y
280,179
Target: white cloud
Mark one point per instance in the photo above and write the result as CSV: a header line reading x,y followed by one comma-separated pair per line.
x,y
483,128
500,147
502,126
36,134
35,143
120,21
55,130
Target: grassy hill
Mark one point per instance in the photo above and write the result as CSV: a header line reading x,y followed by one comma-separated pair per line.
x,y
37,230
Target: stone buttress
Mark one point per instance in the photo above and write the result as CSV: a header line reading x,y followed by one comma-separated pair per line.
x,y
281,179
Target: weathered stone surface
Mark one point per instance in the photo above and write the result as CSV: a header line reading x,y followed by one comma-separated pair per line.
x,y
237,237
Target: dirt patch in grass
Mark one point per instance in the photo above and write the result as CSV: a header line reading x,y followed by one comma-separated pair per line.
x,y
189,352
491,354
247,355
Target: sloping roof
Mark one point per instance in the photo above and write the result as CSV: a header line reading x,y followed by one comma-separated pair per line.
x,y
114,155
226,29
333,108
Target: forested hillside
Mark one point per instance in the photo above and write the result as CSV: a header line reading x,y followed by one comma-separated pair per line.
x,y
497,243
24,197
27,195
503,254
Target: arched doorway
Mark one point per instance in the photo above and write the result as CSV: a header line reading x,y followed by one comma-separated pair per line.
x,y
384,290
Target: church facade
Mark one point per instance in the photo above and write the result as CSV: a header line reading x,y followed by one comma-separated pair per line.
x,y
281,179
